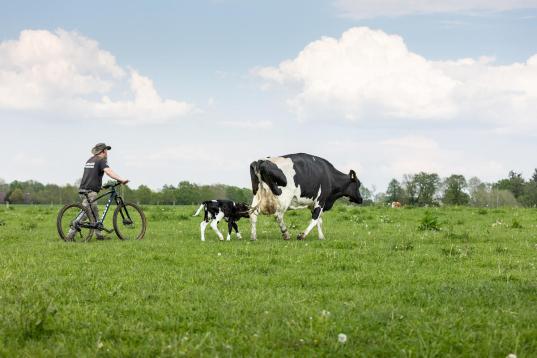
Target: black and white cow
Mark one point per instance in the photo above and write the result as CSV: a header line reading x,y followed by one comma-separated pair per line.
x,y
216,210
297,181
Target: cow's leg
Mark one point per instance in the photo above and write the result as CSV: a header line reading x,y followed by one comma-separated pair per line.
x,y
214,225
236,227
203,225
316,214
253,224
320,228
253,218
283,228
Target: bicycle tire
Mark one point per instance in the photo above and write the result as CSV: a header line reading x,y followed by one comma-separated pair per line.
x,y
84,234
133,230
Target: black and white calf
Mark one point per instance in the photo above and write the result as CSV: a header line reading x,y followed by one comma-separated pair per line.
x,y
216,210
297,181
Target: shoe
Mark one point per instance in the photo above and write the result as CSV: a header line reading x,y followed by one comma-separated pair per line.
x,y
102,237
70,235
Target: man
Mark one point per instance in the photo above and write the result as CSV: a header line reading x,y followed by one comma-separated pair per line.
x,y
92,181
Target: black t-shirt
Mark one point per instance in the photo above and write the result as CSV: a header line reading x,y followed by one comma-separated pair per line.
x,y
93,174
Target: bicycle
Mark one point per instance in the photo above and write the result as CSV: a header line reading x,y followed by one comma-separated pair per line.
x,y
129,219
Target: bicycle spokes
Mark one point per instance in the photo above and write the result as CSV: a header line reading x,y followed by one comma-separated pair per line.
x,y
129,222
74,224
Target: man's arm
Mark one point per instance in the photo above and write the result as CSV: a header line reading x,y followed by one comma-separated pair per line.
x,y
112,174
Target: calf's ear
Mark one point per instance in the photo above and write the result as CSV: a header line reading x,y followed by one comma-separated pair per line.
x,y
352,175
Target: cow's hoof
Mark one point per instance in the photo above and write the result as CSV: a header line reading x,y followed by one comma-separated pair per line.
x,y
300,236
285,236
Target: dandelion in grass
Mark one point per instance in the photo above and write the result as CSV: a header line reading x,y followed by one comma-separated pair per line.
x,y
342,338
219,254
325,313
511,355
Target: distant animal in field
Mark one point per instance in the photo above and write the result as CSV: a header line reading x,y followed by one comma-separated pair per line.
x,y
396,204
297,181
216,210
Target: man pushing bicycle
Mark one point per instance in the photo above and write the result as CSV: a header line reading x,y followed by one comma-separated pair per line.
x,y
92,181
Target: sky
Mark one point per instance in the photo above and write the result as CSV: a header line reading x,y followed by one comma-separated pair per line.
x,y
197,90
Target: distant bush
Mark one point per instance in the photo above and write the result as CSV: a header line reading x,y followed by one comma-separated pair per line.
x,y
429,222
516,225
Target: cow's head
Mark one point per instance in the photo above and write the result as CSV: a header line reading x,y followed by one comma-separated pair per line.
x,y
353,188
242,210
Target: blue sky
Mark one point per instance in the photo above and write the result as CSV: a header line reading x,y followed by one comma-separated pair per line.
x,y
219,62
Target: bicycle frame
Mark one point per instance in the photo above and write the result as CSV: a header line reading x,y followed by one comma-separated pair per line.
x,y
114,196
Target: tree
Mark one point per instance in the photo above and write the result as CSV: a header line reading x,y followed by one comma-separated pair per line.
x,y
485,195
411,189
367,195
529,198
16,196
534,176
454,190
394,192
144,195
427,185
514,183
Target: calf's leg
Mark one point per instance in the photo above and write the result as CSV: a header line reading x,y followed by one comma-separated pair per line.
x,y
236,227
214,225
229,229
203,225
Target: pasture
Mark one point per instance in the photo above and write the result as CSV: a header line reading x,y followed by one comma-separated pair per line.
x,y
440,282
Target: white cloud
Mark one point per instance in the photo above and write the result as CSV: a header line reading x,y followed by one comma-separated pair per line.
x,y
361,9
379,159
247,124
370,75
66,73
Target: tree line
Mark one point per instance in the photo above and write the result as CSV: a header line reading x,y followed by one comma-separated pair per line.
x,y
421,189
33,192
428,189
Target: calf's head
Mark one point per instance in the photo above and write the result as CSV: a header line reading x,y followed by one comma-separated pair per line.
x,y
353,188
242,210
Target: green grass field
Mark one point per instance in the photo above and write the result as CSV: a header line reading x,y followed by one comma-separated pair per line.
x,y
468,289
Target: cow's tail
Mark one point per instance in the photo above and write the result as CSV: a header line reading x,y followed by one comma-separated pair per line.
x,y
255,176
199,209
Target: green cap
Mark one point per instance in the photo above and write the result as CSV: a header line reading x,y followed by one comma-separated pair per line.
x,y
99,147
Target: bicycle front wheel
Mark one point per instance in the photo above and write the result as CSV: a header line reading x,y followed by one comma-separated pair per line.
x,y
129,222
75,223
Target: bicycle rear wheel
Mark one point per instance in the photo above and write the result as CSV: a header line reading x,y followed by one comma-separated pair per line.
x,y
129,222
77,220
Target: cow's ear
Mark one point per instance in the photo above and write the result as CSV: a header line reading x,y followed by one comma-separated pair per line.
x,y
352,174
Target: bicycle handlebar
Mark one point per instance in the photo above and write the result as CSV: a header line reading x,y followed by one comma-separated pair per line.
x,y
111,185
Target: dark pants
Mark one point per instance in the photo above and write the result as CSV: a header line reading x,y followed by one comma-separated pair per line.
x,y
91,195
